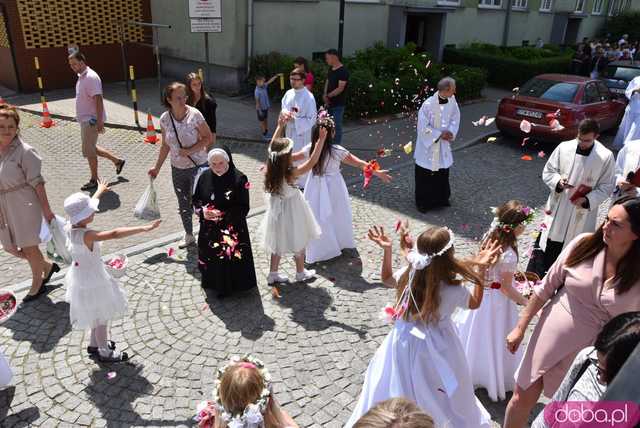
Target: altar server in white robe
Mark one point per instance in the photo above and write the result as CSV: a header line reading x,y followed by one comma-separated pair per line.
x,y
580,174
628,167
299,109
631,116
438,123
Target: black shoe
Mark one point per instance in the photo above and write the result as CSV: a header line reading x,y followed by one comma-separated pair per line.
x,y
119,166
54,268
113,357
32,297
93,350
90,185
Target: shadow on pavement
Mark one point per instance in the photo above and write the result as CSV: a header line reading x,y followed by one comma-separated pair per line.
x,y
114,396
345,272
23,418
41,322
243,312
497,409
308,306
189,261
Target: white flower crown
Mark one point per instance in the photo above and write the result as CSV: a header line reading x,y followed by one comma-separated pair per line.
x,y
287,149
253,414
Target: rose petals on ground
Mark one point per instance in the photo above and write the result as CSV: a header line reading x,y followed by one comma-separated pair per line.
x,y
541,154
526,158
171,252
111,375
491,139
408,147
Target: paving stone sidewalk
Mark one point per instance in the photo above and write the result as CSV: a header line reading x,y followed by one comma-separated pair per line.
x,y
317,340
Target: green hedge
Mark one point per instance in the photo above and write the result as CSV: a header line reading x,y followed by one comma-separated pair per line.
x,y
382,80
510,67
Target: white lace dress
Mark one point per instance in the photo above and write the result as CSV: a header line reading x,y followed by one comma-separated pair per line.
x,y
95,298
328,197
289,224
483,332
426,364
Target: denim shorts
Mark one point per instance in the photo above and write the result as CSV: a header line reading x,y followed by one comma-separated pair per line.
x,y
262,115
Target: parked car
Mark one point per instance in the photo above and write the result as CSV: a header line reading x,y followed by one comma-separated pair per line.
x,y
573,97
619,74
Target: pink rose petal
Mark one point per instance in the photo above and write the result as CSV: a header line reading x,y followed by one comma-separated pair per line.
x,y
111,375
525,126
541,154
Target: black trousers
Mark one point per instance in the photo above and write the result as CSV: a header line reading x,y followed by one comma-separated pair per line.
x,y
540,261
432,188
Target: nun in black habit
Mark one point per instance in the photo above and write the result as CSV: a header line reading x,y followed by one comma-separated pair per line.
x,y
221,201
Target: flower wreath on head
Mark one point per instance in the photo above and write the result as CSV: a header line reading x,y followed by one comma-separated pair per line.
x,y
253,413
286,149
417,261
325,119
510,227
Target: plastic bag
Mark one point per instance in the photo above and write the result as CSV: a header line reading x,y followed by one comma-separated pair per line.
x,y
147,206
59,244
45,233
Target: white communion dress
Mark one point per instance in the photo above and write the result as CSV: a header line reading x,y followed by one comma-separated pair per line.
x,y
328,197
94,297
483,332
426,364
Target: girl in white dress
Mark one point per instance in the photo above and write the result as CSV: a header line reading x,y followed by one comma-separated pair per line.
x,y
94,297
289,224
422,358
482,332
327,194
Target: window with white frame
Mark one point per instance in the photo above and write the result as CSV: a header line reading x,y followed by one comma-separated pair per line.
x,y
597,7
613,7
519,4
493,4
546,5
579,5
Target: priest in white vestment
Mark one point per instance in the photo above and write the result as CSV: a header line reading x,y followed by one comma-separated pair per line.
x,y
628,168
631,116
438,123
299,107
580,174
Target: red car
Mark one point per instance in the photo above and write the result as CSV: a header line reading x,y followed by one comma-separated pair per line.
x,y
575,98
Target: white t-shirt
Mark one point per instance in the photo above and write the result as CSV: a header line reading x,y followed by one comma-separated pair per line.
x,y
188,133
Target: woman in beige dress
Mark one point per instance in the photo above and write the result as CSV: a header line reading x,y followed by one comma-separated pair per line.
x,y
596,278
23,202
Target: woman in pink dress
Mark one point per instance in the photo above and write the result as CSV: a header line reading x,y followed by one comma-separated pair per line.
x,y
596,277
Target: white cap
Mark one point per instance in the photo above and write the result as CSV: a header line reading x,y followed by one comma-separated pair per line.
x,y
79,206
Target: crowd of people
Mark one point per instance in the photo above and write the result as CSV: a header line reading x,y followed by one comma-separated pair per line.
x,y
592,56
425,371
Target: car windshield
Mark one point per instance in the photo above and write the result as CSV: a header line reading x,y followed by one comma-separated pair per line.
x,y
550,90
622,73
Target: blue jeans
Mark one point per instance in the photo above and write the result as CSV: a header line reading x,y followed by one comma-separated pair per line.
x,y
337,113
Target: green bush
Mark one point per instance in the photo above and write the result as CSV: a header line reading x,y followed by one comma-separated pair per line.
x,y
382,80
512,66
626,23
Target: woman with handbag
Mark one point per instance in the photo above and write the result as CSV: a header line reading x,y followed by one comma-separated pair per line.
x,y
185,137
595,278
23,202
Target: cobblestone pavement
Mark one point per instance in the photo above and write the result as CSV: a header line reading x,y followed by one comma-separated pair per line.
x,y
317,340
65,171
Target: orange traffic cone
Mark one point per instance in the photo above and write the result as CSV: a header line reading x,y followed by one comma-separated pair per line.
x,y
151,137
46,118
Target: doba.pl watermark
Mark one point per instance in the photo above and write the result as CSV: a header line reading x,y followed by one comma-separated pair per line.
x,y
592,414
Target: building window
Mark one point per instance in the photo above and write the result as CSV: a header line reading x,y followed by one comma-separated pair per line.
x,y
519,4
545,5
597,7
580,6
449,2
490,4
614,7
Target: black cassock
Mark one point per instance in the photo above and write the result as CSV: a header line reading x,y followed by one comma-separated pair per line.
x,y
221,268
